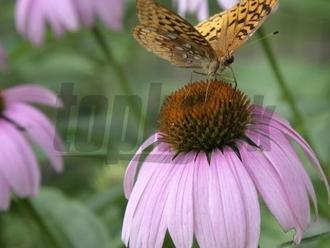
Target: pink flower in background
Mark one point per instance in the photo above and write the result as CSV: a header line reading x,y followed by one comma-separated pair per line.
x,y
212,196
198,7
33,16
3,58
110,12
21,124
226,4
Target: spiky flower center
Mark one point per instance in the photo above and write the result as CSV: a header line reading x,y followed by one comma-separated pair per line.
x,y
204,116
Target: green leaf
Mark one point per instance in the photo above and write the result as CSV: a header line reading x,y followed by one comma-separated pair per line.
x,y
319,241
73,224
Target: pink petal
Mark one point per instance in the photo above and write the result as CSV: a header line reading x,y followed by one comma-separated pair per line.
x,y
144,222
269,186
111,12
40,130
32,94
203,10
12,167
21,170
145,175
180,218
32,16
290,177
282,141
198,7
182,7
132,166
64,13
202,222
23,7
235,213
226,4
293,186
35,24
273,120
52,19
85,11
250,198
149,169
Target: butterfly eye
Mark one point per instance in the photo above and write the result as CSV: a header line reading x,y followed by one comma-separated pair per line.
x,y
229,61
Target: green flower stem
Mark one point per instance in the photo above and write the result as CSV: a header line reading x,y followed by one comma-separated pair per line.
x,y
124,83
287,94
121,75
28,209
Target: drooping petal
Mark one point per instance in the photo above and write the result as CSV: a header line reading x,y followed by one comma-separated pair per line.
x,y
290,177
40,129
19,165
32,94
263,117
131,170
295,193
269,186
282,141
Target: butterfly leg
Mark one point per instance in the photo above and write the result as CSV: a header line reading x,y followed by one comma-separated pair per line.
x,y
199,73
235,80
191,76
221,77
207,90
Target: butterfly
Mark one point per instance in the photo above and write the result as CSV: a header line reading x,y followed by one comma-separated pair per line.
x,y
210,45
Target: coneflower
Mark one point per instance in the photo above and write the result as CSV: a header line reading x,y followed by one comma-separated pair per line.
x,y
214,152
20,125
33,16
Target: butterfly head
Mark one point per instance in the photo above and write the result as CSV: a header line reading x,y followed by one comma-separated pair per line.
x,y
228,60
225,62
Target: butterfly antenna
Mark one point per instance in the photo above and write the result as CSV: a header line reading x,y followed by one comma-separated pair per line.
x,y
262,38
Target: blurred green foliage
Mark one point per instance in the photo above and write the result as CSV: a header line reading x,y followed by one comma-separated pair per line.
x,y
84,206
